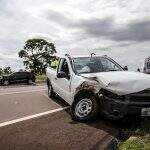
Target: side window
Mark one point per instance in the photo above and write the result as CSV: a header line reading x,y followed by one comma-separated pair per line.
x,y
63,66
25,75
148,65
19,75
15,75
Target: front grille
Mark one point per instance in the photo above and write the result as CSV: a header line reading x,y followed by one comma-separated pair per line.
x,y
143,96
140,98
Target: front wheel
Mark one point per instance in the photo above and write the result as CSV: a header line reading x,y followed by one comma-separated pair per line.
x,y
85,108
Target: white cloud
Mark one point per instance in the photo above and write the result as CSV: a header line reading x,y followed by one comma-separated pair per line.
x,y
59,21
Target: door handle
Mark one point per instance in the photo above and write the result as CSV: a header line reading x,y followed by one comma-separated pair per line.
x,y
55,78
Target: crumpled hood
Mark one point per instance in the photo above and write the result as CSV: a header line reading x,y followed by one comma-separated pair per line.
x,y
122,82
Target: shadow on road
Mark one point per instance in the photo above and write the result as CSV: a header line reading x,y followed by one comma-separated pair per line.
x,y
128,123
60,101
59,131
118,130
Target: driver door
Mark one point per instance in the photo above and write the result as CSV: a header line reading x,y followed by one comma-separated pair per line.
x,y
63,84
14,78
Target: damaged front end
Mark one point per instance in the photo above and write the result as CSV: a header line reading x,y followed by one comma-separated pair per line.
x,y
117,106
116,98
92,86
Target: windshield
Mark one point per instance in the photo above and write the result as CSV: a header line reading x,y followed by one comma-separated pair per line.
x,y
95,64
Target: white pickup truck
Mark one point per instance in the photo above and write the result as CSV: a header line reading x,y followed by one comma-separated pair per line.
x,y
93,84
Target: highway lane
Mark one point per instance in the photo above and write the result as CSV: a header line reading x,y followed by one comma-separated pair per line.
x,y
56,131
22,127
24,101
21,88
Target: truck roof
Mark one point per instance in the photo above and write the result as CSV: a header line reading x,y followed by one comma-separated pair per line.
x,y
76,56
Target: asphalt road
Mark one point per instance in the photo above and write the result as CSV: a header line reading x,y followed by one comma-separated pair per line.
x,y
24,101
53,130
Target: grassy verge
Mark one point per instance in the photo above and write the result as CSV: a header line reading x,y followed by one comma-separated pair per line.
x,y
140,140
135,143
40,78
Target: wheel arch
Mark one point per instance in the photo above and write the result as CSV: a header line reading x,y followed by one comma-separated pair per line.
x,y
95,110
85,92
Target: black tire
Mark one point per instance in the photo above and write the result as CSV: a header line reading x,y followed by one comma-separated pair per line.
x,y
50,91
92,114
29,82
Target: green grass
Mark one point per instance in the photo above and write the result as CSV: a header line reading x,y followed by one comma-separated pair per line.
x,y
141,140
41,78
135,143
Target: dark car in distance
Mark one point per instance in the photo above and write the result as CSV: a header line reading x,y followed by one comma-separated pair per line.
x,y
18,77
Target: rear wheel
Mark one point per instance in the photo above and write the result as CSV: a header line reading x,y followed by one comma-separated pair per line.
x,y
30,82
84,108
6,82
51,93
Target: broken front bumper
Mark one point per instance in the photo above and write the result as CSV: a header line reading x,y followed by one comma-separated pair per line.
x,y
133,104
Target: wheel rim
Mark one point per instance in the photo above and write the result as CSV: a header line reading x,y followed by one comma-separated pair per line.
x,y
83,108
5,82
49,90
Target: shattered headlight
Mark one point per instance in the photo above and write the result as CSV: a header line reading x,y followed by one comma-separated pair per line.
x,y
109,94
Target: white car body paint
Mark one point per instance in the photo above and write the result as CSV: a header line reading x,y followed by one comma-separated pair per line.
x,y
119,82
122,82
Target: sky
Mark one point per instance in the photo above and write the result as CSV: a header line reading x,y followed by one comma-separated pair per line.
x,y
117,28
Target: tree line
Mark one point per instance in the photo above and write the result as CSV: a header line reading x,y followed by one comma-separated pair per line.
x,y
5,70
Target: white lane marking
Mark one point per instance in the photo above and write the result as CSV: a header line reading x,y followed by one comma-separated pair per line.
x,y
22,92
31,117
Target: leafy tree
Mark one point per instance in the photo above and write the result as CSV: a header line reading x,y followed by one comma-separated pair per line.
x,y
7,70
37,54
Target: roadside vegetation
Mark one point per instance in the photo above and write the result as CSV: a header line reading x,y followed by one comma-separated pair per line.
x,y
5,71
139,140
37,54
41,78
135,143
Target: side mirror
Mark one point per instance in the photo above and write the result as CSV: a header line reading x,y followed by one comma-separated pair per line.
x,y
61,74
125,68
